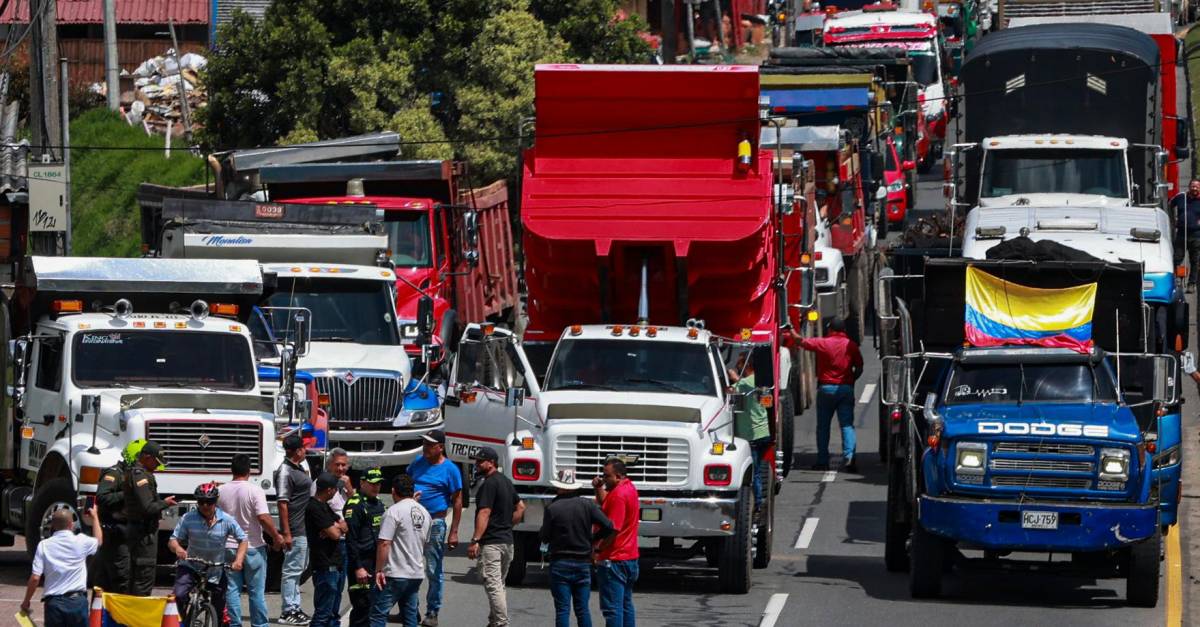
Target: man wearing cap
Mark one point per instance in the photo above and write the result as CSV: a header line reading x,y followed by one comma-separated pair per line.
x,y
572,526
497,509
113,568
439,483
293,485
363,515
324,534
143,508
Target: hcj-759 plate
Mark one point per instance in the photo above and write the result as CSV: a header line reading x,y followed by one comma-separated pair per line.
x,y
1039,520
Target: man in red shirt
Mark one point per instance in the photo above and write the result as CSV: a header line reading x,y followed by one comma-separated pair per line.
x,y
839,365
617,555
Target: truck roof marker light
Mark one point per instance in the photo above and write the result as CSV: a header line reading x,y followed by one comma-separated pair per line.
x,y
160,325
693,333
385,274
223,309
314,269
67,306
297,269
180,325
1054,142
1069,142
83,326
993,143
137,324
332,270
635,331
651,331
576,329
1114,143
617,330
1039,141
488,328
236,328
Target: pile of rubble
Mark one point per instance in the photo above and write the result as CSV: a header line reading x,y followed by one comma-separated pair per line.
x,y
150,96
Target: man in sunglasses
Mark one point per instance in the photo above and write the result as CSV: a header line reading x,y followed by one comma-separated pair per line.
x,y
203,532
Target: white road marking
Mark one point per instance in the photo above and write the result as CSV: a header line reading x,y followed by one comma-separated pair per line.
x,y
806,533
829,476
773,610
868,392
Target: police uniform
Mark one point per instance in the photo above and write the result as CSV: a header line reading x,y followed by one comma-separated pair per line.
x,y
143,508
112,560
363,516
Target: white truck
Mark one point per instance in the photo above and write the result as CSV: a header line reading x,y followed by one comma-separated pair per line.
x,y
325,259
1047,170
653,396
107,351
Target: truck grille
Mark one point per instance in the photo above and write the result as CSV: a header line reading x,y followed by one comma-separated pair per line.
x,y
194,446
1042,464
1070,483
1044,448
361,398
648,460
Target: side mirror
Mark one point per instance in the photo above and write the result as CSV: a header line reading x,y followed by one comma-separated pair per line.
x,y
514,397
883,294
895,371
1183,144
471,237
808,287
303,332
1166,379
908,165
18,354
424,320
931,414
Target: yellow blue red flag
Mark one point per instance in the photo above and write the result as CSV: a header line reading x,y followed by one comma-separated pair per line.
x,y
120,610
1001,313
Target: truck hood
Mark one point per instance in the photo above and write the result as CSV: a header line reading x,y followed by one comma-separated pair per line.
x,y
1053,200
633,406
346,355
974,421
1110,239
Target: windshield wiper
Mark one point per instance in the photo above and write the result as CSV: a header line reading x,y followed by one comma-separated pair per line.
x,y
662,384
583,386
334,339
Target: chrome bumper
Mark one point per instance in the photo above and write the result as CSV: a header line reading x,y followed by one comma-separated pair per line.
x,y
831,301
373,449
660,517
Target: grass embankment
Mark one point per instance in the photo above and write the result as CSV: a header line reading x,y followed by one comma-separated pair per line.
x,y
1191,46
105,215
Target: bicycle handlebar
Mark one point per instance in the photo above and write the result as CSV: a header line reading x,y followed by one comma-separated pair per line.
x,y
203,562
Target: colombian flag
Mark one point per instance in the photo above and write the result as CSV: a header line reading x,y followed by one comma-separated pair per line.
x,y
120,610
1000,313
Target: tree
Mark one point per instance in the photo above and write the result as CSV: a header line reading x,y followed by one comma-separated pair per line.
x,y
595,30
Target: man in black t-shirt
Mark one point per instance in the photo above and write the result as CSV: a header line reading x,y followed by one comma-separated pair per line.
x,y
325,530
498,508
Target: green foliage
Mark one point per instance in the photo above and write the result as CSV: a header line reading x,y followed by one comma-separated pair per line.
x,y
105,217
593,33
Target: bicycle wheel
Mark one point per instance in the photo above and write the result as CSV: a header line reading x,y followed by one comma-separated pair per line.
x,y
203,615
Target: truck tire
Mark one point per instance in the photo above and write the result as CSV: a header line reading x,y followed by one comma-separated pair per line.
x,y
927,563
1141,575
449,332
522,541
787,432
735,560
895,547
51,497
765,530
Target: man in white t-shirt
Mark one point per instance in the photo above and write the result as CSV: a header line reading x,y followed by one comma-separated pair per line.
x,y
400,555
247,504
62,560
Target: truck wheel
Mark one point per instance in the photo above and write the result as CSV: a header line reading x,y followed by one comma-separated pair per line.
x,y
56,494
765,535
449,332
1141,577
927,563
787,431
735,559
522,542
895,548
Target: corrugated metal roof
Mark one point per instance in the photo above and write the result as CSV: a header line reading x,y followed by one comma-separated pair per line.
x,y
225,8
128,11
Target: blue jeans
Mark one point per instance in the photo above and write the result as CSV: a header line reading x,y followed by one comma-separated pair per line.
x,y
254,576
435,551
62,611
294,563
326,594
403,591
571,579
616,592
830,399
759,449
337,603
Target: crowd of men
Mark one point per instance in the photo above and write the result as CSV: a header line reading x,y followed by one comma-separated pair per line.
x,y
344,536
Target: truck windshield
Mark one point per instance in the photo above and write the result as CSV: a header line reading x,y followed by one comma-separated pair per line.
x,y
1069,171
1017,383
924,65
631,366
408,237
343,310
183,359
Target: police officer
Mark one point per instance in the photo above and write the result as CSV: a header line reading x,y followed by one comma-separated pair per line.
x,y
112,560
143,507
363,514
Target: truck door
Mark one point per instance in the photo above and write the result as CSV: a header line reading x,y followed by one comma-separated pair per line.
x,y
43,401
485,368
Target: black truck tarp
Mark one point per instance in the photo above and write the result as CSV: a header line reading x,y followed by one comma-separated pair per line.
x,y
1087,79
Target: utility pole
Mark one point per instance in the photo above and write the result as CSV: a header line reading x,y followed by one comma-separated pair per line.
x,y
66,153
43,79
183,101
112,73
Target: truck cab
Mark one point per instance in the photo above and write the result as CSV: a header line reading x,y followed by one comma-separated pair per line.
x,y
1055,170
655,397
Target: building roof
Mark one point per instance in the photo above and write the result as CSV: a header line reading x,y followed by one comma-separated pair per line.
x,y
128,11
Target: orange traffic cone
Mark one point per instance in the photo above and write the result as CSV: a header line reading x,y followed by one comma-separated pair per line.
x,y
171,614
96,616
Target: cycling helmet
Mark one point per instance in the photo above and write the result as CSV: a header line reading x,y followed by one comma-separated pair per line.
x,y
206,492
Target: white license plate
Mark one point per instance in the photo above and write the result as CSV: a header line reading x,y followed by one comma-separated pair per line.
x,y
1039,520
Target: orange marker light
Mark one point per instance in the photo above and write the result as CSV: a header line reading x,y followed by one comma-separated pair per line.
x,y
66,306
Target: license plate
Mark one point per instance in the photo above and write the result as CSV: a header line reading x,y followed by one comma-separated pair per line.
x,y
651,514
1039,520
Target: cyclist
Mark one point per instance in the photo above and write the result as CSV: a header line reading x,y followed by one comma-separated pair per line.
x,y
204,532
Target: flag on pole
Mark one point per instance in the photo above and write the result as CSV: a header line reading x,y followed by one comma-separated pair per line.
x,y
1002,313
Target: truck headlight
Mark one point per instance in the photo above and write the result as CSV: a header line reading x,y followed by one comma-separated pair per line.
x,y
1114,464
895,186
417,417
970,460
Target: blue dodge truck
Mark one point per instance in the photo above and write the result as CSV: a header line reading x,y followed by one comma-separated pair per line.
x,y
1019,449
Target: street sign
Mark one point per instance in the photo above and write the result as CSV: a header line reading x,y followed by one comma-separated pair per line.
x,y
47,197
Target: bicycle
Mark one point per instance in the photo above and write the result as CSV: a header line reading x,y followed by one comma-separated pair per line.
x,y
200,609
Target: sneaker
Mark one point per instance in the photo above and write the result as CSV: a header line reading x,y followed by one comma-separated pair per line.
x,y
429,621
293,617
301,618
850,466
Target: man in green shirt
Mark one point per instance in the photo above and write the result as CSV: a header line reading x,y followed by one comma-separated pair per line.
x,y
752,423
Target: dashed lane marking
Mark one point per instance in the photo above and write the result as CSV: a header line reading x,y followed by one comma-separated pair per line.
x,y
829,476
773,610
806,533
868,392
